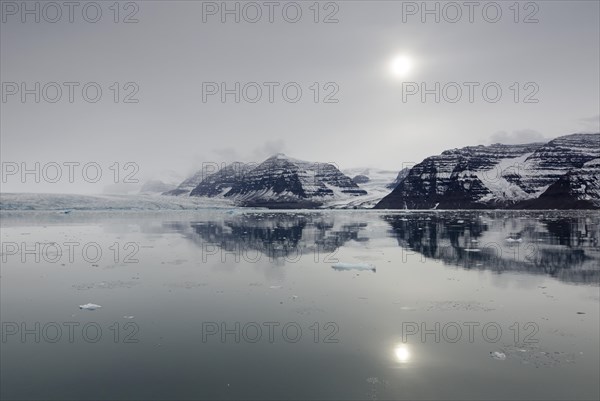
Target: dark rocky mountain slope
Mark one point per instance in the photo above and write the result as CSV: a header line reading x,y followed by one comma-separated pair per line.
x,y
557,174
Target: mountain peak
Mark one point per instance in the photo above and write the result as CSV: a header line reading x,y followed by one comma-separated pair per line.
x,y
280,182
280,156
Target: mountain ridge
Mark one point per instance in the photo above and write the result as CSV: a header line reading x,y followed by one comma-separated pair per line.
x,y
503,176
279,181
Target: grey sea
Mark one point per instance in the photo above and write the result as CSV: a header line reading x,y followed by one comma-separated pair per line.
x,y
258,304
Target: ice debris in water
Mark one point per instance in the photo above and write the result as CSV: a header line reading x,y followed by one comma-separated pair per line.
x,y
89,306
353,266
511,239
500,356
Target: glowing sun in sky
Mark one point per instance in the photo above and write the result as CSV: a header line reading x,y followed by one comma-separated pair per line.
x,y
402,354
401,65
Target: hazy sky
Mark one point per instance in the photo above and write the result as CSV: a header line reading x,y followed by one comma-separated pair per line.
x,y
170,54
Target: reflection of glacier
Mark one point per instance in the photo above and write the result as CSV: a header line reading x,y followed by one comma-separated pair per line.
x,y
279,235
562,247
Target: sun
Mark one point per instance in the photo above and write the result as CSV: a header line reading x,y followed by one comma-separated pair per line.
x,y
402,354
401,65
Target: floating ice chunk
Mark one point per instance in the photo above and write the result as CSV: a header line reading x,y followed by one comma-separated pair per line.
x,y
500,356
89,306
353,266
510,239
128,317
472,250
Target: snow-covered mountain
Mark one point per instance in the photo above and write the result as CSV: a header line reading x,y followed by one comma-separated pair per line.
x,y
222,181
280,181
156,187
188,184
375,182
556,158
401,176
577,189
501,176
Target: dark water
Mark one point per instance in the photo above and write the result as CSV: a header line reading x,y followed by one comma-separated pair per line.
x,y
248,305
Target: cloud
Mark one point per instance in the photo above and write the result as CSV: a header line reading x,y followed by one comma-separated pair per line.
x,y
257,155
269,148
227,155
519,136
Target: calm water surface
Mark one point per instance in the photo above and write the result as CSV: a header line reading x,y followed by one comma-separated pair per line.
x,y
253,305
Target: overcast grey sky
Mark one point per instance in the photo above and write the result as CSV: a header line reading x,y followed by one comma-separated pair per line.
x,y
170,52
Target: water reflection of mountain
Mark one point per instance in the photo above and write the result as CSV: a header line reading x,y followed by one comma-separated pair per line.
x,y
277,236
562,247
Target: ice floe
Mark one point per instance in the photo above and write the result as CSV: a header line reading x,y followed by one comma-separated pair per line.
x,y
353,266
500,356
90,306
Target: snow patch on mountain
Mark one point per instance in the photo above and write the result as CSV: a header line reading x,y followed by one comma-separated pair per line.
x,y
497,180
